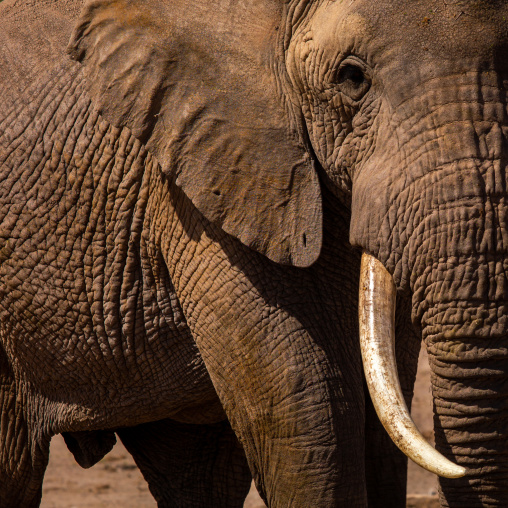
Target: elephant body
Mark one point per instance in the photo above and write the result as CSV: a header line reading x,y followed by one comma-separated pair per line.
x,y
114,291
185,191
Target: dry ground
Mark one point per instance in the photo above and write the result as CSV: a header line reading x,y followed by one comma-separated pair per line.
x,y
116,482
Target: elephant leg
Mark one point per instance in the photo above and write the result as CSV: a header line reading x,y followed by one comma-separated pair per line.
x,y
189,465
23,455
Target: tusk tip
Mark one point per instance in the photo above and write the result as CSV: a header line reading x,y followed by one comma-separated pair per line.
x,y
454,472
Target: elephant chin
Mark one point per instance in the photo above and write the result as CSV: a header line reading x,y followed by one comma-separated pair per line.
x,y
377,338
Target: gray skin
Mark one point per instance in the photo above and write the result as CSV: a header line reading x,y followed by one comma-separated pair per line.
x,y
186,188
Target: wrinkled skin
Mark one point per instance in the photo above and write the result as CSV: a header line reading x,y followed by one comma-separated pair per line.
x,y
186,188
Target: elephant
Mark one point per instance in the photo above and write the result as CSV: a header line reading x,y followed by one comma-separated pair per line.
x,y
226,227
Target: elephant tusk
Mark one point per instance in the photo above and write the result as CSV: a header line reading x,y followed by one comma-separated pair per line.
x,y
377,339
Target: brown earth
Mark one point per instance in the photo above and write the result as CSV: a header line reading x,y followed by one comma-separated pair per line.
x,y
115,482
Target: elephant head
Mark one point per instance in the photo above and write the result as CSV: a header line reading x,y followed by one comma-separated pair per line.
x,y
410,102
399,110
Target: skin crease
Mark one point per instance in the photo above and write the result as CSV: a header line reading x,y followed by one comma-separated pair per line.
x,y
181,188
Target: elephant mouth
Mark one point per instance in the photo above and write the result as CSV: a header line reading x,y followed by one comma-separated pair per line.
x,y
377,340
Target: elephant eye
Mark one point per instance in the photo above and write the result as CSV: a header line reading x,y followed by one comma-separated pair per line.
x,y
352,80
351,73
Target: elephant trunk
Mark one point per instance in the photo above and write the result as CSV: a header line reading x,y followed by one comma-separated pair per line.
x,y
466,337
431,204
377,338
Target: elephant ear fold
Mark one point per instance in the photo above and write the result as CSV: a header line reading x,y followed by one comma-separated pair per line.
x,y
202,84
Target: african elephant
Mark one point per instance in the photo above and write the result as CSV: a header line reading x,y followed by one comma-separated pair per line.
x,y
187,188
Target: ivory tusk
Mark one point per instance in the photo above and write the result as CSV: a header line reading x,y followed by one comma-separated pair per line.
x,y
377,339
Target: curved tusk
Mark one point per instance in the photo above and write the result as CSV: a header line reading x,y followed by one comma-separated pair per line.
x,y
377,339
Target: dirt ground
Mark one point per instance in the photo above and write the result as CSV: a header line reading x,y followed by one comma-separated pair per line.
x,y
115,482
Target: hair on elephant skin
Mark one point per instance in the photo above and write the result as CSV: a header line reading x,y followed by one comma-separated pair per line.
x,y
186,190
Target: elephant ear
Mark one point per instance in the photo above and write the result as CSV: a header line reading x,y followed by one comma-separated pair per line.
x,y
202,84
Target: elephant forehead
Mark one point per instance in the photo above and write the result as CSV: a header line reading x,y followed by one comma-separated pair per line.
x,y
408,30
446,30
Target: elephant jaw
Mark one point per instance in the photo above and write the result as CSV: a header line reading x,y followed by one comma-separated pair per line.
x,y
377,339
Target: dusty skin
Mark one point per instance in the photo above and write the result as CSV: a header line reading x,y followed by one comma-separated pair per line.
x,y
187,188
117,483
